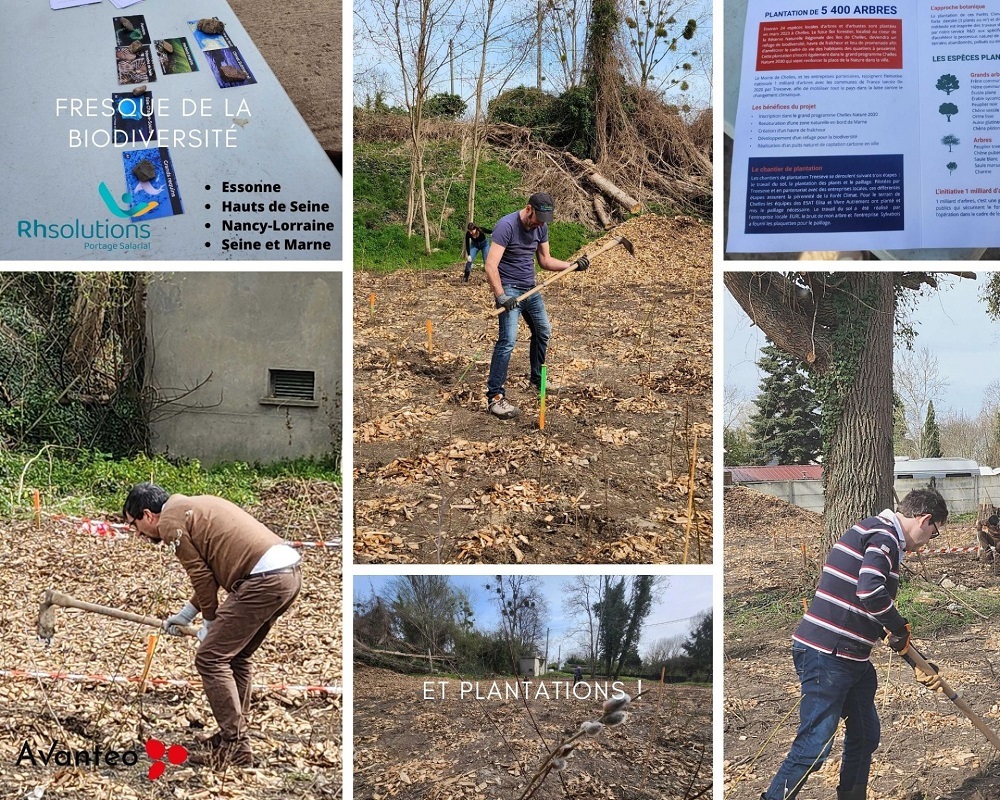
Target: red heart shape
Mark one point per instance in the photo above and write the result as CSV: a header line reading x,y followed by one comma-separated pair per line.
x,y
154,749
176,754
156,770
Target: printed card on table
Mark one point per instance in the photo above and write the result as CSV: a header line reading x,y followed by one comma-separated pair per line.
x,y
131,29
152,183
134,67
207,41
229,68
134,121
175,56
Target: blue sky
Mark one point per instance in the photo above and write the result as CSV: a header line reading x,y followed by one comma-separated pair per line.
x,y
687,596
951,323
367,58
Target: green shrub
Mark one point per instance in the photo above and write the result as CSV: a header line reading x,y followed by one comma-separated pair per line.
x,y
524,106
445,105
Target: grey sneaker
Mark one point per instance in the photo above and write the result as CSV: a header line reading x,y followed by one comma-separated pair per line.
x,y
550,388
499,407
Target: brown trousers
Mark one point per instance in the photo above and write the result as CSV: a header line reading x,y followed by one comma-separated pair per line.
x,y
242,623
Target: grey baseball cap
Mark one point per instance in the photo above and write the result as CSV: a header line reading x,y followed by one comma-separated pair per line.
x,y
544,208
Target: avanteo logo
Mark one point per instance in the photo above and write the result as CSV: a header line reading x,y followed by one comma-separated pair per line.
x,y
155,750
63,757
129,211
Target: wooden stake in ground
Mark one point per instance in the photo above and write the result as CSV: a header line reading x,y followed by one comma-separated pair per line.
x,y
541,399
687,532
430,336
371,305
36,501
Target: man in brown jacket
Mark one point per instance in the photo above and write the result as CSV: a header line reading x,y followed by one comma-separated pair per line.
x,y
221,545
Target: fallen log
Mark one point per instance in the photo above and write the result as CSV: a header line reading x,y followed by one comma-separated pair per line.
x,y
601,210
606,187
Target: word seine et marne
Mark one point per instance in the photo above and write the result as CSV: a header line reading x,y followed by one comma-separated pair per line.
x,y
527,690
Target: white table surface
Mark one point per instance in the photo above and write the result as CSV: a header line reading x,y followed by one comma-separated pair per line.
x,y
70,53
734,23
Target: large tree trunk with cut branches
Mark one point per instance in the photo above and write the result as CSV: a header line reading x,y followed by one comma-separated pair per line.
x,y
841,326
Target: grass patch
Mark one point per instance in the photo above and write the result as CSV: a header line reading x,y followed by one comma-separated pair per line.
x,y
381,185
772,610
80,482
930,609
934,611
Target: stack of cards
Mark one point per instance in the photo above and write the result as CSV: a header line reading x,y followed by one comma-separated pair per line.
x,y
55,5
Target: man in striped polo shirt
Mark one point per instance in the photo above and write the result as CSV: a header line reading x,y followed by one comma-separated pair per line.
x,y
853,608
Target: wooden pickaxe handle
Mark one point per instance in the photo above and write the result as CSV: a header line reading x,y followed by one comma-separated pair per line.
x,y
917,661
615,241
53,597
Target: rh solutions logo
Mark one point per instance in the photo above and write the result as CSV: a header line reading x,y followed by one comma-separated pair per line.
x,y
98,757
98,235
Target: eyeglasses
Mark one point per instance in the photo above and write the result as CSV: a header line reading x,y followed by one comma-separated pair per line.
x,y
131,523
937,530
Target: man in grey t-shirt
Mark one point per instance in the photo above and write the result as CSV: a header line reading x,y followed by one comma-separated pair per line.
x,y
518,240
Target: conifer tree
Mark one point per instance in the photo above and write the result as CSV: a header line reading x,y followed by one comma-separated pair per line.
x,y
932,435
785,425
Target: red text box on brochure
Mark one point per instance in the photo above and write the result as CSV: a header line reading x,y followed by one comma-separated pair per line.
x,y
830,44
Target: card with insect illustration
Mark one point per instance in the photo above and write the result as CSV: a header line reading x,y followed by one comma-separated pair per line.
x,y
175,56
134,65
131,29
134,121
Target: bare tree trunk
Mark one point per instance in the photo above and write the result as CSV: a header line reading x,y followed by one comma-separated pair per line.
x,y
858,473
842,326
86,321
478,123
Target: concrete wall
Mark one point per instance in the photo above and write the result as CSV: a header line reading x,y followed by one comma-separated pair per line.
x,y
226,330
961,494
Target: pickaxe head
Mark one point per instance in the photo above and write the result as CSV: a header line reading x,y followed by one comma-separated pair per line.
x,y
627,245
47,618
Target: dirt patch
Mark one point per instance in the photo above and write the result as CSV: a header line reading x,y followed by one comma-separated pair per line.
x,y
455,749
302,43
929,749
296,735
607,481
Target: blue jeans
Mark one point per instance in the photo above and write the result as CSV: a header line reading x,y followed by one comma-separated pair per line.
x,y
533,310
832,688
474,251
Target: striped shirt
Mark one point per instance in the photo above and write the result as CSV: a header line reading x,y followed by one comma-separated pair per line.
x,y
855,599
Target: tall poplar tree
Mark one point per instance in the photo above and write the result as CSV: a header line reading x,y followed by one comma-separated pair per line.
x,y
931,438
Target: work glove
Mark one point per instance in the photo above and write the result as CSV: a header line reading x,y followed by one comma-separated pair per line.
x,y
183,617
507,303
899,639
582,264
203,630
932,682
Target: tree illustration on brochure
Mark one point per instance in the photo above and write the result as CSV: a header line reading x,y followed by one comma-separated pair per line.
x,y
950,139
948,109
947,83
951,166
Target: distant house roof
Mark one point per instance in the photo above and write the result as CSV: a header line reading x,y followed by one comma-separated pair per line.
x,y
807,472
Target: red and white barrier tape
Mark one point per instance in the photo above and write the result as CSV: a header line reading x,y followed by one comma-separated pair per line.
x,y
926,552
117,530
21,674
